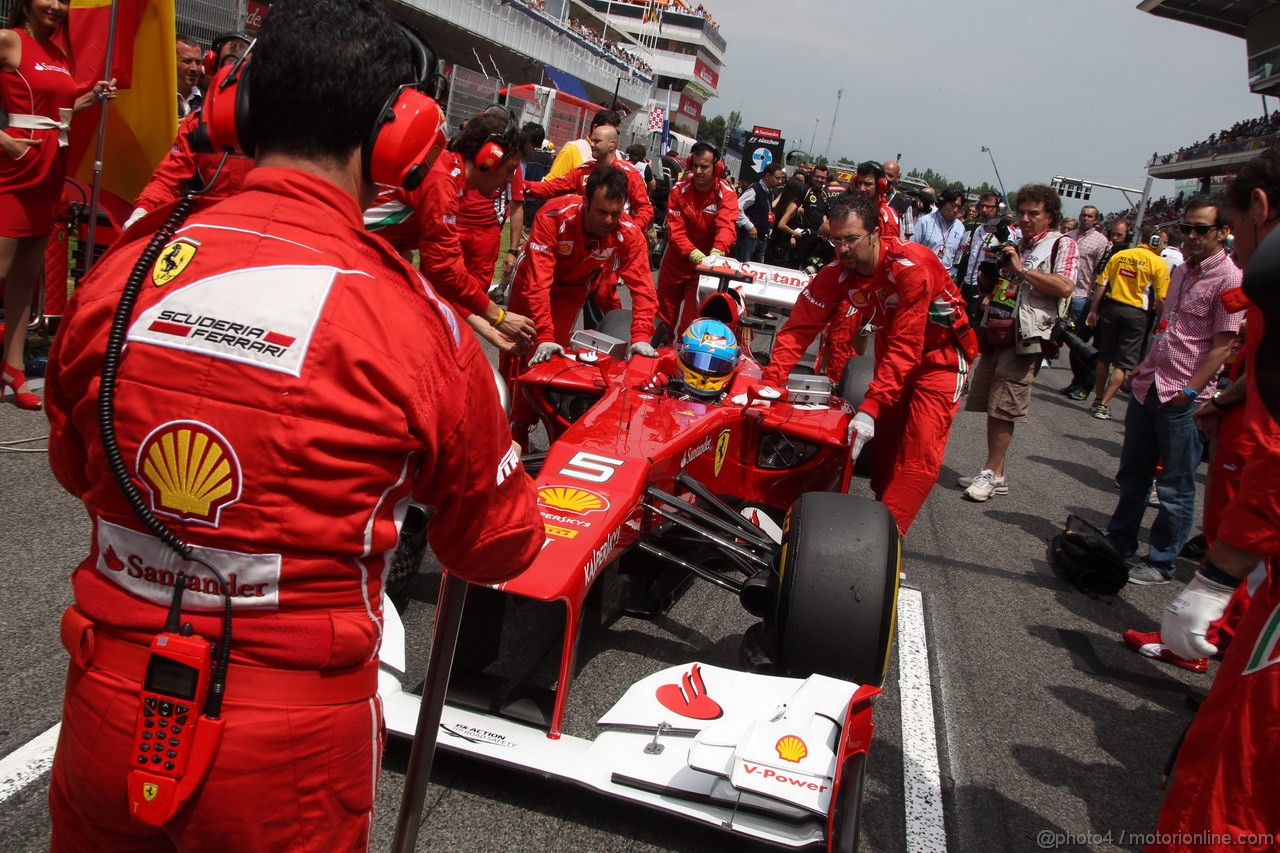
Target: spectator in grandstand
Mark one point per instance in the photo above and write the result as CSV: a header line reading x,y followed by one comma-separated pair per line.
x,y
942,231
1158,424
755,213
1035,280
37,96
578,151
1091,245
1118,313
190,59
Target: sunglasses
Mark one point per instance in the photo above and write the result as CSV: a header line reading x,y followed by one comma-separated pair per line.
x,y
1198,227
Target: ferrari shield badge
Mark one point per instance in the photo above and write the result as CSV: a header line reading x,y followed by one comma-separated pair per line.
x,y
173,260
722,450
149,791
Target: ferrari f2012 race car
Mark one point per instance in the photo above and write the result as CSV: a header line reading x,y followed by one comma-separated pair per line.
x,y
643,490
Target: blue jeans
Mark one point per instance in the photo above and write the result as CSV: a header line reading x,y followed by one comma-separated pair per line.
x,y
748,248
1155,434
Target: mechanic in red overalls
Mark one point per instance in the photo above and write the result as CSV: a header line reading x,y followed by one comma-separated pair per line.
x,y
603,295
170,178
285,392
923,345
702,215
843,340
1225,779
484,156
573,242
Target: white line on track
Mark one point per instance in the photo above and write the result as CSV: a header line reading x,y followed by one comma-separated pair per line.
x,y
27,763
922,777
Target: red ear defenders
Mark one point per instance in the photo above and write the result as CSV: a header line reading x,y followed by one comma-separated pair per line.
x,y
494,150
719,164
882,180
403,143
211,55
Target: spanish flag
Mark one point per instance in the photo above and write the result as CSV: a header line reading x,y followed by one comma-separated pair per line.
x,y
142,121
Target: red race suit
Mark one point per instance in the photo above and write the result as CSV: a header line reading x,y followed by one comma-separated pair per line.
x,y
605,290
705,221
31,186
175,170
1225,781
561,262
289,384
480,220
919,370
841,335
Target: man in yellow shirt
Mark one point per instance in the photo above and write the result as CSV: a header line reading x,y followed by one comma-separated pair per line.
x,y
1120,316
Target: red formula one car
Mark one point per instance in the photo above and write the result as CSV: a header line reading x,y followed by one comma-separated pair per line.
x,y
643,490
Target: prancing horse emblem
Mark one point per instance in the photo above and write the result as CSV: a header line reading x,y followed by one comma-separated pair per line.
x,y
173,260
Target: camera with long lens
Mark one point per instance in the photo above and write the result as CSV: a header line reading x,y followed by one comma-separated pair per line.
x,y
989,267
1064,334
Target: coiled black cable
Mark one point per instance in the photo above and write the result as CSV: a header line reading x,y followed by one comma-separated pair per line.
x,y
111,446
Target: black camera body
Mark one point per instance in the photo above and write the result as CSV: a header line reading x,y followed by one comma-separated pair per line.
x,y
989,267
1064,333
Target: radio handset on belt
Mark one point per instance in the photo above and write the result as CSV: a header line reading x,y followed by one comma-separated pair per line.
x,y
179,719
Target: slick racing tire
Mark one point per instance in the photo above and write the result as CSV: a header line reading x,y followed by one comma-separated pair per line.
x,y
410,551
617,324
838,588
857,375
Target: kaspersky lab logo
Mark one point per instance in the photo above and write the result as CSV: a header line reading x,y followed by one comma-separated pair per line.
x,y
191,471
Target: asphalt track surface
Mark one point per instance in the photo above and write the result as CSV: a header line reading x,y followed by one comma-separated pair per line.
x,y
1050,733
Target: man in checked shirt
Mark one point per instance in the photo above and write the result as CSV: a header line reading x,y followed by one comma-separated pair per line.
x,y
1167,385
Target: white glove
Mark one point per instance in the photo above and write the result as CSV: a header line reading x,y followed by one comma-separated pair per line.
x,y
798,232
544,352
642,348
138,213
763,392
1187,618
861,430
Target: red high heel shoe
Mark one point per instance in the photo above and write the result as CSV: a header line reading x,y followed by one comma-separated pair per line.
x,y
15,379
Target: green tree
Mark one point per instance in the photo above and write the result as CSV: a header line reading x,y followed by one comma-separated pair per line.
x,y
734,123
712,131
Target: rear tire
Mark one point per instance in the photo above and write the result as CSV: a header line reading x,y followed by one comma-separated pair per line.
x,y
839,571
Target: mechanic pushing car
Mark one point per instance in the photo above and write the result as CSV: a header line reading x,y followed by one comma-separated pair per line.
x,y
574,241
290,384
702,216
923,346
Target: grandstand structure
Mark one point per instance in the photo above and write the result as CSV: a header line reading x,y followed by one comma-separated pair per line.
x,y
1257,23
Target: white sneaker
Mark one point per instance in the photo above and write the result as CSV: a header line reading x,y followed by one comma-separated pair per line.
x,y
983,486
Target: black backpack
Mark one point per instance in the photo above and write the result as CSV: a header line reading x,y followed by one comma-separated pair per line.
x,y
1087,560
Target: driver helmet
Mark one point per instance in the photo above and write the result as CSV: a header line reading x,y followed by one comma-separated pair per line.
x,y
708,354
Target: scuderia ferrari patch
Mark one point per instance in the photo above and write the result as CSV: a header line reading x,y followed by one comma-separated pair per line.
x,y
173,260
261,316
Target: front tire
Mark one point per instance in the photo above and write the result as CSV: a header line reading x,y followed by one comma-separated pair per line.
x,y
838,590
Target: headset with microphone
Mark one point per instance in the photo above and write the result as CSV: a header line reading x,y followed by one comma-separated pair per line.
x,y
703,148
405,140
882,180
496,148
211,55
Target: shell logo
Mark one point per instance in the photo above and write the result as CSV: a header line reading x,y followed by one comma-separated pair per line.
x,y
191,471
572,500
791,748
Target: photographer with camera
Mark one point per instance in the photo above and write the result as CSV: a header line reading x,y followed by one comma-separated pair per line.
x,y
1036,276
811,249
984,237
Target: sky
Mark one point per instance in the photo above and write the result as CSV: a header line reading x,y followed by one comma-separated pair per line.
x,y
1086,88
